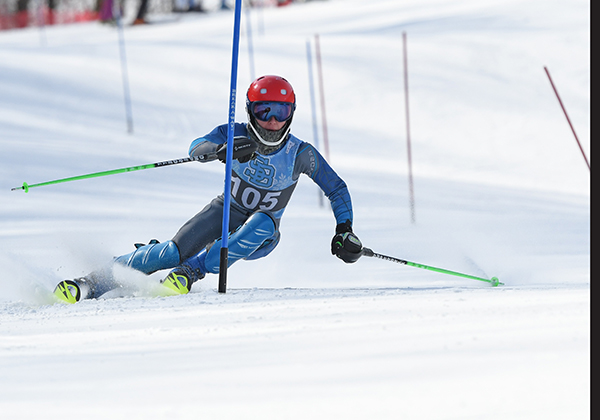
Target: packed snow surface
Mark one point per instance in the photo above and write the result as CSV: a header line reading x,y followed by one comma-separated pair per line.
x,y
500,189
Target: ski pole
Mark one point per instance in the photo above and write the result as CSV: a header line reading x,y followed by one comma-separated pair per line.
x,y
26,186
369,253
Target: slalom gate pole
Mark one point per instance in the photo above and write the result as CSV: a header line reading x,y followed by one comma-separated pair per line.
x,y
369,253
26,186
42,21
322,92
261,19
313,107
411,188
568,120
250,44
223,262
127,96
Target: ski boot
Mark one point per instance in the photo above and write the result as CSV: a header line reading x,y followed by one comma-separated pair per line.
x,y
72,291
91,286
180,280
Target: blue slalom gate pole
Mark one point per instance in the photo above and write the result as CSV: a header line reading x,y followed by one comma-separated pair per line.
x,y
230,129
313,106
119,19
322,92
250,45
411,188
42,22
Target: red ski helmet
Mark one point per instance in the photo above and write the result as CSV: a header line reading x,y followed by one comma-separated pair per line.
x,y
274,96
271,88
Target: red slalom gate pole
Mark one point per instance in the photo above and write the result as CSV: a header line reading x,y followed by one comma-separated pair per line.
x,y
408,146
568,119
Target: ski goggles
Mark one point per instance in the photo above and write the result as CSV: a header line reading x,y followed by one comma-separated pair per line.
x,y
264,111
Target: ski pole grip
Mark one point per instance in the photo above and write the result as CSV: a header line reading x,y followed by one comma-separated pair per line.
x,y
367,252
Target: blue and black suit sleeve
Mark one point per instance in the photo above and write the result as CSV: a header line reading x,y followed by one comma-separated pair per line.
x,y
310,162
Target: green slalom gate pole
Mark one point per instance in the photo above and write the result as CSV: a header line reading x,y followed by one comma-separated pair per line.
x,y
26,186
369,253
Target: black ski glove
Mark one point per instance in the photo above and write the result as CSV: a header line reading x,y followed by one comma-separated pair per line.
x,y
345,244
243,149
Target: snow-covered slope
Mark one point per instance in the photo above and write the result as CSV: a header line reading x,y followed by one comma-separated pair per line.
x,y
501,189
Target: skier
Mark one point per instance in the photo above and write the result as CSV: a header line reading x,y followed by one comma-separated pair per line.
x,y
268,161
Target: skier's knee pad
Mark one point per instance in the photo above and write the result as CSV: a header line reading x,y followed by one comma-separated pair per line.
x,y
152,257
243,242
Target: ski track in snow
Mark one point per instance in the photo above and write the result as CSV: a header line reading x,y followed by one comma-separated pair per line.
x,y
501,189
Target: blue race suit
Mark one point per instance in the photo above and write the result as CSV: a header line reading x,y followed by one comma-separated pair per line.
x,y
262,186
265,183
260,191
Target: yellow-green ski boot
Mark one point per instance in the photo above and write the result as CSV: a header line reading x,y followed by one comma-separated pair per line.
x,y
71,291
180,280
